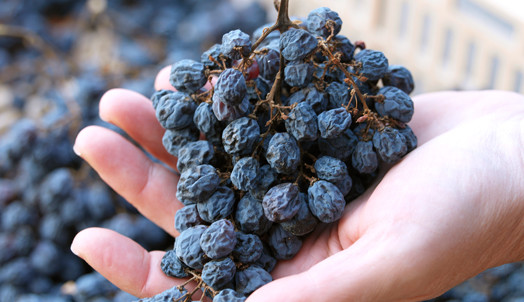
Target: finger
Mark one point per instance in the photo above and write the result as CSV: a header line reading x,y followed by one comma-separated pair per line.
x,y
123,262
135,114
149,186
162,79
439,112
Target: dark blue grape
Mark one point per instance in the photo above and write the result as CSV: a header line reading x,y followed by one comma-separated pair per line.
x,y
303,222
328,73
259,91
9,292
311,95
188,76
298,73
187,247
205,120
362,86
175,110
335,171
245,173
318,20
219,239
74,209
231,88
217,206
218,273
187,217
46,258
400,77
296,44
250,279
52,227
194,154
170,295
333,122
364,158
236,44
158,95
338,95
172,266
411,139
364,131
266,179
54,189
326,201
340,147
249,216
18,214
174,139
344,47
24,240
259,31
283,244
17,272
268,63
240,136
148,234
390,145
17,141
229,295
302,122
374,64
91,285
248,248
98,202
281,202
214,52
197,184
266,261
283,153
397,104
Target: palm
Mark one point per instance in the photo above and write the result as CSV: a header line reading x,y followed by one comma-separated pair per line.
x,y
426,217
402,221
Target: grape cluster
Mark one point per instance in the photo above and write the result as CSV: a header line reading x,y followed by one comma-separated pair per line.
x,y
296,127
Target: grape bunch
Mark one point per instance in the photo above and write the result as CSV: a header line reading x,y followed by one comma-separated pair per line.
x,y
297,121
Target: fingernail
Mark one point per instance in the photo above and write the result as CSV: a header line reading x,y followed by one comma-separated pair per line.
x,y
76,150
73,249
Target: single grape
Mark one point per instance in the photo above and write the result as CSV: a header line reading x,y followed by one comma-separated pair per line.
x,y
219,239
281,202
326,201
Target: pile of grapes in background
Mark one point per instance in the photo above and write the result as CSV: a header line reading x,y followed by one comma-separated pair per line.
x,y
57,58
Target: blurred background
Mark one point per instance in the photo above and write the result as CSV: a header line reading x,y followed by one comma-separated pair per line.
x,y
58,57
447,44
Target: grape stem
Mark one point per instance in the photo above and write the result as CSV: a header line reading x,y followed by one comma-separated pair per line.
x,y
349,77
283,22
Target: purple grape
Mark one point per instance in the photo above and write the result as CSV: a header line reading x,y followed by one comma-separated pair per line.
x,y
326,201
219,239
281,202
218,273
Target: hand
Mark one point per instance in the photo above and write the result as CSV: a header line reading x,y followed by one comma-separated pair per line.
x,y
452,208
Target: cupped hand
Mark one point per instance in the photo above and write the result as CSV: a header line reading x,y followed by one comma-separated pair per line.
x,y
450,209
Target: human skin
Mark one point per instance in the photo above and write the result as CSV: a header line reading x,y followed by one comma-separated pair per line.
x,y
450,209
